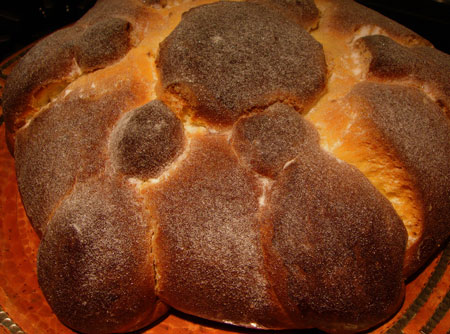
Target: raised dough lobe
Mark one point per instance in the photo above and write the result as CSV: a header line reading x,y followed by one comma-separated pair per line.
x,y
103,43
336,249
207,241
94,263
419,134
52,60
70,136
101,37
146,140
417,65
226,58
266,141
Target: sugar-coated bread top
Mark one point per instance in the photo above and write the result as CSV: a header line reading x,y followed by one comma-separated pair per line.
x,y
146,140
228,58
427,67
269,164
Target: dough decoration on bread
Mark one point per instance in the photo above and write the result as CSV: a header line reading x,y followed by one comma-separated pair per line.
x,y
267,164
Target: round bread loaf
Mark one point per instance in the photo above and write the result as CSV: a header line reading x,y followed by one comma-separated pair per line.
x,y
266,163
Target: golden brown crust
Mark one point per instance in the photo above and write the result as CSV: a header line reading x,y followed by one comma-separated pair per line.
x,y
419,134
347,17
227,58
102,37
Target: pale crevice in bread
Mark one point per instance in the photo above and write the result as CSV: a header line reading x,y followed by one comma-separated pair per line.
x,y
286,165
182,109
328,145
368,30
143,185
349,141
344,70
153,85
191,129
384,156
50,91
358,70
266,185
344,18
153,227
42,98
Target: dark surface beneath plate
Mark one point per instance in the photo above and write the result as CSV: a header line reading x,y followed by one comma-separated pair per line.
x,y
23,22
428,18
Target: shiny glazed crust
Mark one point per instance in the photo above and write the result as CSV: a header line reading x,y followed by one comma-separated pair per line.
x,y
269,164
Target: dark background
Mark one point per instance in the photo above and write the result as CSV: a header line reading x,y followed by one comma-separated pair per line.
x,y
22,22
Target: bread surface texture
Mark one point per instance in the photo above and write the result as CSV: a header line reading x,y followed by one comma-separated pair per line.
x,y
267,164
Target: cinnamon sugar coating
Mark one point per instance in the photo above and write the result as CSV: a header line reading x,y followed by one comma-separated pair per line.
x,y
302,12
337,245
183,171
419,134
422,65
69,136
226,58
103,43
266,141
146,140
207,240
52,60
94,265
95,41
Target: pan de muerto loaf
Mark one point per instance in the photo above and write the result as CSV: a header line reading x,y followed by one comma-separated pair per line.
x,y
268,164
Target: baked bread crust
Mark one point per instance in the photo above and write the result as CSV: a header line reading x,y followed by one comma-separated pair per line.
x,y
262,163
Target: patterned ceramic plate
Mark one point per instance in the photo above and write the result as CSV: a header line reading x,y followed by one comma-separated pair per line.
x,y
23,308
